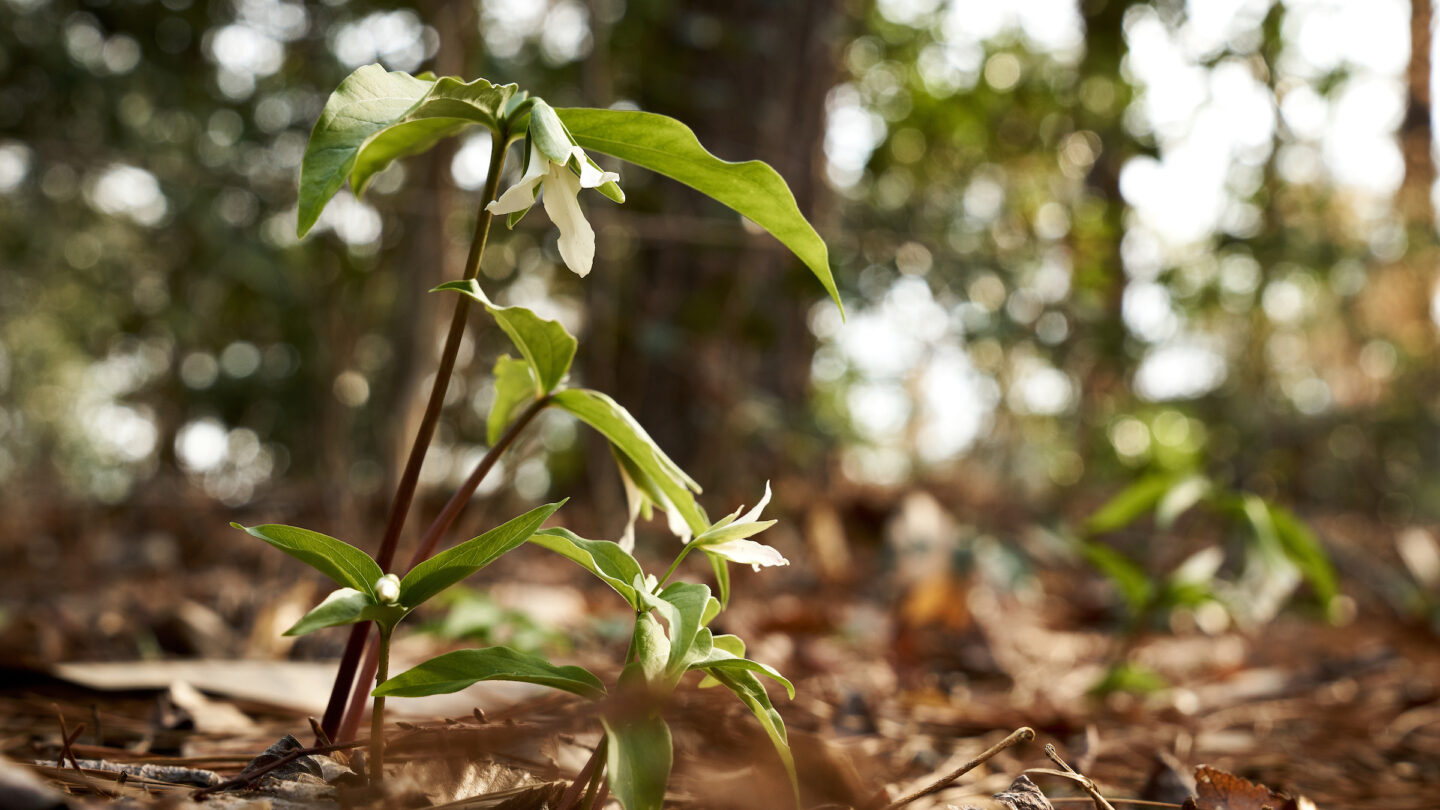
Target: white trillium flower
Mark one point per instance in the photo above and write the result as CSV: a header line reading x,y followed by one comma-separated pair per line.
x,y
562,190
387,589
729,537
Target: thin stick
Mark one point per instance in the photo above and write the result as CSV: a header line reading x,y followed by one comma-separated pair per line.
x,y
68,739
249,776
1085,781
409,479
438,528
1019,735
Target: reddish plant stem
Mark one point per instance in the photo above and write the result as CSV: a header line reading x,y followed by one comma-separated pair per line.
x,y
438,528
405,491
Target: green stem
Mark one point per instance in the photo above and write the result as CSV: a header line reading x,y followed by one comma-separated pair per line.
x,y
377,714
684,552
405,491
437,529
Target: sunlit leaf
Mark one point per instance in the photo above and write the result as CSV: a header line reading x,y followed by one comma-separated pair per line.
x,y
683,606
722,660
454,671
1130,579
721,567
338,560
545,344
375,117
638,760
666,146
616,424
449,567
652,650
604,559
1132,502
752,693
345,606
515,387
1184,494
1305,550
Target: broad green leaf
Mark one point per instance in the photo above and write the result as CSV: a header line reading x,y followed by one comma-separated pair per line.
x,y
604,559
1186,492
338,560
683,605
718,658
449,567
454,671
374,117
346,606
666,146
1304,549
712,609
726,643
638,759
691,601
545,344
752,693
616,424
1132,581
652,650
515,387
1132,502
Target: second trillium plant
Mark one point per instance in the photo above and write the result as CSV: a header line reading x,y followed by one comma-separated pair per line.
x,y
375,117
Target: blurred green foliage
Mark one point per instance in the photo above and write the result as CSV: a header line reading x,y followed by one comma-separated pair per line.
x,y
1021,310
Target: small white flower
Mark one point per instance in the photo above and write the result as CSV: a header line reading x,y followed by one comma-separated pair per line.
x,y
562,190
387,589
728,537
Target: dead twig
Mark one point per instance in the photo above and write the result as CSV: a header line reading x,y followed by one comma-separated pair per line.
x,y
1019,735
1067,772
250,776
68,739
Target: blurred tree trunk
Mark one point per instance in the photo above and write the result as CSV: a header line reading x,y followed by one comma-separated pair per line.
x,y
1416,134
711,321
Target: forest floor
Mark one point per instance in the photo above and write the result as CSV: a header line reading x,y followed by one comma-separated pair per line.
x,y
898,683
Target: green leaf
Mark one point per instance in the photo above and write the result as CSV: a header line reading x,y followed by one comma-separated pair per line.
x,y
375,117
638,759
545,344
449,567
515,387
652,650
454,671
1131,580
338,560
722,660
1305,550
1185,493
606,560
752,693
1132,502
616,424
683,604
345,606
548,134
666,146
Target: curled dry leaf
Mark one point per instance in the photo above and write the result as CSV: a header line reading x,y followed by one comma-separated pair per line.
x,y
1220,790
1021,795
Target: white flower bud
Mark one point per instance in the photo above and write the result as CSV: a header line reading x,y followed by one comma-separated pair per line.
x,y
387,589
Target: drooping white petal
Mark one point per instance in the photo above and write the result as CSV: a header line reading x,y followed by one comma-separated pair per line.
x,y
635,499
754,514
748,552
577,238
590,175
522,195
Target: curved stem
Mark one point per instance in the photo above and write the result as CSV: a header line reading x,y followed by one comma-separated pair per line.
x,y
405,490
377,715
669,572
437,529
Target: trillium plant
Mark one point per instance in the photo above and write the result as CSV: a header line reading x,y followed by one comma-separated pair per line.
x,y
376,117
